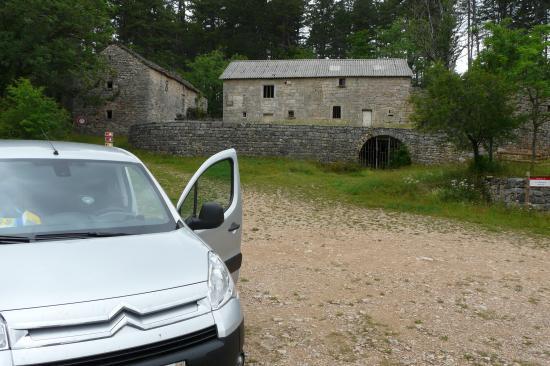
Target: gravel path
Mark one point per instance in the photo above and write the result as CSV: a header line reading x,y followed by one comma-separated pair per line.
x,y
338,285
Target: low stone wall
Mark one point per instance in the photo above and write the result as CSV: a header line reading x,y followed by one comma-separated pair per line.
x,y
323,143
513,192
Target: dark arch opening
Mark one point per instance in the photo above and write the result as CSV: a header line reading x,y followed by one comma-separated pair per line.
x,y
377,152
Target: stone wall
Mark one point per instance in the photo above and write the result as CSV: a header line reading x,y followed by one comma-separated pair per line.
x,y
323,143
523,140
133,93
312,99
513,191
127,99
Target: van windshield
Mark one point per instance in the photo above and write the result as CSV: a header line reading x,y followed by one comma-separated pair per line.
x,y
51,196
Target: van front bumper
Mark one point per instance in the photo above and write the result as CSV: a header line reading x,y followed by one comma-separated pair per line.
x,y
218,351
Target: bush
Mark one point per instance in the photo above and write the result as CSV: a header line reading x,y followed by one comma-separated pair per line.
x,y
400,158
195,113
27,113
461,190
483,165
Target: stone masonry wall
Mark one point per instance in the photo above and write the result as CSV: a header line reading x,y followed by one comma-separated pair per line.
x,y
139,94
127,99
524,137
313,99
323,143
513,191
167,98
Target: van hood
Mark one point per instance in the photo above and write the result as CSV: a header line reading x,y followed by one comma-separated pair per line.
x,y
70,271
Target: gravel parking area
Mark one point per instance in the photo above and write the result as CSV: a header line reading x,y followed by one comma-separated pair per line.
x,y
336,285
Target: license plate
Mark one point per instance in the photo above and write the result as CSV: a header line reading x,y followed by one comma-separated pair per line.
x,y
181,363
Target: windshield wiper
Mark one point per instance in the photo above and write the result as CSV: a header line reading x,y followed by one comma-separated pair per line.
x,y
9,239
78,235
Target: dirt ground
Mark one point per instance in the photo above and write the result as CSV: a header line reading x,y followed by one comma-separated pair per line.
x,y
337,285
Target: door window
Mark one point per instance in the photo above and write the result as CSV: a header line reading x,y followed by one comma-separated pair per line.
x,y
214,185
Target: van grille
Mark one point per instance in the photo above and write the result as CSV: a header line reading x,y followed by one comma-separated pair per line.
x,y
143,353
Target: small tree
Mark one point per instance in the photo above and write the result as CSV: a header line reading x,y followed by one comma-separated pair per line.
x,y
471,110
27,113
205,73
520,56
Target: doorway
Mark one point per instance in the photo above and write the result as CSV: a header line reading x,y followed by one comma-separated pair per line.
x,y
367,117
377,152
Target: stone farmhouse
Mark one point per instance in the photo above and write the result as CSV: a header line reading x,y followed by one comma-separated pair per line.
x,y
136,90
368,93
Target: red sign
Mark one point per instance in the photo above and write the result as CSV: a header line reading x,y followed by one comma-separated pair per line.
x,y
539,182
108,138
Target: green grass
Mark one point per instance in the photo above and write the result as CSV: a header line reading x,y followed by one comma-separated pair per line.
x,y
414,189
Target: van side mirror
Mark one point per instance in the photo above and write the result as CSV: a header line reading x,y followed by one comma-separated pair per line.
x,y
210,217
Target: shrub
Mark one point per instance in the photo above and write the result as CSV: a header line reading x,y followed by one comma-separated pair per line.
x,y
460,190
483,165
195,113
27,113
400,158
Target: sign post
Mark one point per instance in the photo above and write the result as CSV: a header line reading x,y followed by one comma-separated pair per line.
x,y
109,138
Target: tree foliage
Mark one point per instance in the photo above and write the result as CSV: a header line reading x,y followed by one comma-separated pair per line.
x,y
54,43
205,73
520,56
472,110
27,113
150,27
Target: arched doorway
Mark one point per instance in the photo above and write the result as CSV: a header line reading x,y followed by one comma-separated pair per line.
x,y
377,152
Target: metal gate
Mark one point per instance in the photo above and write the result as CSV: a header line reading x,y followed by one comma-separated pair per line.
x,y
377,152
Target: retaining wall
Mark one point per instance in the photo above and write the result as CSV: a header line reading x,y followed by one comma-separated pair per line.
x,y
513,192
323,143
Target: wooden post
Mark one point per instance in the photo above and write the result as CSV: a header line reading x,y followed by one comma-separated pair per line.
x,y
528,189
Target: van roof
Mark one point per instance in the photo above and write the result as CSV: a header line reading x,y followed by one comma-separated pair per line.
x,y
31,149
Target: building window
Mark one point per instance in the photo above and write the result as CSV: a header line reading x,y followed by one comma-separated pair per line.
x,y
109,114
110,84
244,114
166,86
390,112
290,114
269,91
342,83
336,112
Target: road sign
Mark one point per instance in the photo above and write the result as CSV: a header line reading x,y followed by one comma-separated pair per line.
x,y
539,182
80,120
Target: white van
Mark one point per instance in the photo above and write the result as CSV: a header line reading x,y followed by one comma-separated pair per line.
x,y
99,268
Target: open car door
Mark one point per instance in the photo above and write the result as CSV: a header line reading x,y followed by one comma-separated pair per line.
x,y
211,205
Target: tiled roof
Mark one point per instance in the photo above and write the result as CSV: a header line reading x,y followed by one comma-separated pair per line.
x,y
154,66
279,69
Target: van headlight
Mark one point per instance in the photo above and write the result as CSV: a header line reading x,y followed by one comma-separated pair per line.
x,y
3,335
220,283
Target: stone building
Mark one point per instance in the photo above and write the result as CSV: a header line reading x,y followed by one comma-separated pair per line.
x,y
368,93
135,90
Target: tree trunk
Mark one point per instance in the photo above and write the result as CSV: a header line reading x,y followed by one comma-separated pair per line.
x,y
477,156
491,150
534,146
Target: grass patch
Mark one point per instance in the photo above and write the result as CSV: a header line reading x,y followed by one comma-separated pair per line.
x,y
413,189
